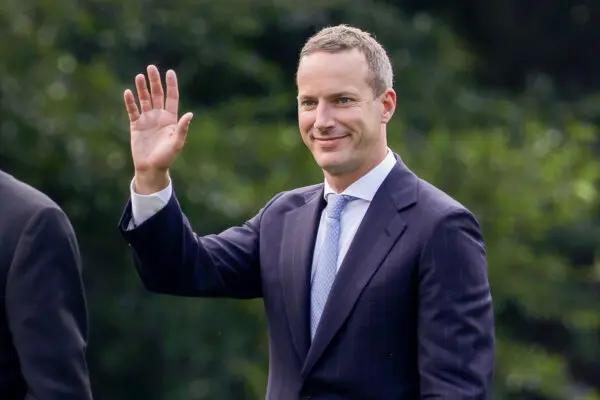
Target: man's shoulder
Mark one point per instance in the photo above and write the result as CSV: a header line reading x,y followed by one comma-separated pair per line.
x,y
290,199
438,204
21,200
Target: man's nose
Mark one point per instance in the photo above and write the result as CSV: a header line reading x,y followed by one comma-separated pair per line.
x,y
324,118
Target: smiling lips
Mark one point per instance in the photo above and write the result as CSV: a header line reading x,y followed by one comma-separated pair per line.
x,y
329,141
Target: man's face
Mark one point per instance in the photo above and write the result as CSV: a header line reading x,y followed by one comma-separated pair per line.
x,y
340,119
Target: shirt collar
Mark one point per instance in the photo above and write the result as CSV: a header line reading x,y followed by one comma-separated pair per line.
x,y
366,187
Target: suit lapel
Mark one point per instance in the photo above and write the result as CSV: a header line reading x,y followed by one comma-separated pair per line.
x,y
299,236
380,229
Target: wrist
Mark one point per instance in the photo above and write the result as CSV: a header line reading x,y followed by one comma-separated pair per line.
x,y
149,182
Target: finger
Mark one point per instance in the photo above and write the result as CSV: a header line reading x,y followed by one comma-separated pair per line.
x,y
172,102
143,94
183,127
156,89
131,106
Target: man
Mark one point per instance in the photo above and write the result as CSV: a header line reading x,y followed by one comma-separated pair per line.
x,y
374,282
43,321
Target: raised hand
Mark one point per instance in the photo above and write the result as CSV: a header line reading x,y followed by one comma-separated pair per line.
x,y
157,137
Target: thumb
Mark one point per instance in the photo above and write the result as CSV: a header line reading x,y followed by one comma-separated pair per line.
x,y
183,126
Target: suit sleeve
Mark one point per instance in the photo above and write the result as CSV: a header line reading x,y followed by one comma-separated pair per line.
x,y
456,323
172,259
46,309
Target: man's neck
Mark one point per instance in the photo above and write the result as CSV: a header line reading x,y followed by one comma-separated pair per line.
x,y
340,182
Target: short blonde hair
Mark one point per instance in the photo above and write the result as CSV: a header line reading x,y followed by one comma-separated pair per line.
x,y
343,37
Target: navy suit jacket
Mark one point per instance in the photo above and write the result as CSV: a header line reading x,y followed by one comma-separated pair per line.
x,y
409,315
43,310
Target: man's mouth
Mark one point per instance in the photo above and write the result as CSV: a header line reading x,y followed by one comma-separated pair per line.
x,y
330,138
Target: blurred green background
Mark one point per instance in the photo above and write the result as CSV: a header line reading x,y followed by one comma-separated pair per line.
x,y
498,104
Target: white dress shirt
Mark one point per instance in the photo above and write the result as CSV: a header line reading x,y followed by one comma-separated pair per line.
x,y
143,206
364,189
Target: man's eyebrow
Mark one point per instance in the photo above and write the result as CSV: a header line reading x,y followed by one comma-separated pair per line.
x,y
332,95
344,94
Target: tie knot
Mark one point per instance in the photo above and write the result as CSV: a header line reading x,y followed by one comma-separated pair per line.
x,y
336,203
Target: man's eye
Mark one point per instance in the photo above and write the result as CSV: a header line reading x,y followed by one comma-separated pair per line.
x,y
307,103
344,100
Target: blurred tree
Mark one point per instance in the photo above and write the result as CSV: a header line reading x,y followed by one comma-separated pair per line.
x,y
516,42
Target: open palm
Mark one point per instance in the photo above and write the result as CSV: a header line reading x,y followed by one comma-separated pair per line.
x,y
157,136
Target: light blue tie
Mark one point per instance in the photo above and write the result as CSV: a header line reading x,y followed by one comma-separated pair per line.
x,y
326,266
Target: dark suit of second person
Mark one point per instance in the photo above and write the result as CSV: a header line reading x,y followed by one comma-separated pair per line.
x,y
43,319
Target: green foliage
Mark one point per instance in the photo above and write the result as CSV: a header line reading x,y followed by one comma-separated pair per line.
x,y
526,166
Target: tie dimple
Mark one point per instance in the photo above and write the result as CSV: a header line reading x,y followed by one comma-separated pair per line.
x,y
335,205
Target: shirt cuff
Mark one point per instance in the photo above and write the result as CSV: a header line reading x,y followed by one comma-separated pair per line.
x,y
145,206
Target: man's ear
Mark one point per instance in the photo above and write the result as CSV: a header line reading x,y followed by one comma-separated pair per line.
x,y
388,99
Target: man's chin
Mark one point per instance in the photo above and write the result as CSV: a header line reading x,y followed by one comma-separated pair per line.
x,y
333,165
